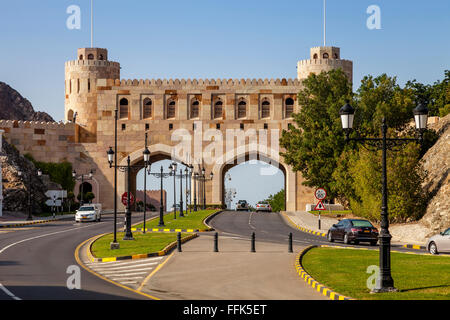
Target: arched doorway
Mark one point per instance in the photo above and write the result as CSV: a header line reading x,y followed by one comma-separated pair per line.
x,y
253,178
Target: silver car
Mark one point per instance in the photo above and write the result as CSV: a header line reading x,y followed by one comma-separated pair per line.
x,y
439,243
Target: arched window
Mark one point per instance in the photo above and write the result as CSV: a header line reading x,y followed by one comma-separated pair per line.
x,y
289,107
81,57
123,109
100,57
315,56
195,109
90,56
218,109
171,108
325,55
336,56
70,115
265,109
242,109
147,108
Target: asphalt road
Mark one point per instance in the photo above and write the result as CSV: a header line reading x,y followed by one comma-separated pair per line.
x,y
34,262
271,227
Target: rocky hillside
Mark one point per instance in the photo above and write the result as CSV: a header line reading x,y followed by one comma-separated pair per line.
x,y
15,188
437,163
15,107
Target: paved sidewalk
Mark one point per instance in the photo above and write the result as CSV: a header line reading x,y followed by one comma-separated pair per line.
x,y
234,273
310,221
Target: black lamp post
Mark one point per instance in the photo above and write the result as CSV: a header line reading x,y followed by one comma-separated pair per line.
x,y
181,192
195,191
173,171
128,168
161,175
30,190
82,178
202,178
384,283
146,154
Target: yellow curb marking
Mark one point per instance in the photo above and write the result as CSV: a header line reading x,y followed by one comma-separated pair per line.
x,y
77,258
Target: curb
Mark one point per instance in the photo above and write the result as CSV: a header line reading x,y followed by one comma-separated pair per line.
x,y
163,252
414,246
316,233
209,218
167,230
327,292
3,226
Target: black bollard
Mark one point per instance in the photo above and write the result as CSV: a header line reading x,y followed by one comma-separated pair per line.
x,y
179,241
290,243
253,242
216,242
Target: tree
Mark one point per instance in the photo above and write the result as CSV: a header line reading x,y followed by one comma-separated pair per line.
x,y
277,201
314,146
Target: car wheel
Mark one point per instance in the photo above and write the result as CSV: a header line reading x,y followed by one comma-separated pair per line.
x,y
432,248
346,241
330,237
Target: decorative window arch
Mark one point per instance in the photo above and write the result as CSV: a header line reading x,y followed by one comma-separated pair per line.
x,y
265,109
315,56
218,108
147,108
326,55
81,57
101,57
123,108
336,56
195,109
289,105
90,56
171,109
242,109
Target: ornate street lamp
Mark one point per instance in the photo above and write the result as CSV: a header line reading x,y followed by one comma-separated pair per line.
x,y
127,168
83,178
30,189
173,171
161,175
384,283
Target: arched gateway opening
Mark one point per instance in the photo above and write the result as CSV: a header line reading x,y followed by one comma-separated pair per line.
x,y
252,178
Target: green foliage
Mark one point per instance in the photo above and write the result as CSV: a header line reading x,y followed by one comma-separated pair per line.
x,y
277,201
314,146
60,173
349,173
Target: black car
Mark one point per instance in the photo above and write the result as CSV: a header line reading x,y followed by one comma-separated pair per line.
x,y
353,230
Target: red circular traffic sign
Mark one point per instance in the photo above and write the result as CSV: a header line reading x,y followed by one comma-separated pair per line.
x,y
320,194
125,199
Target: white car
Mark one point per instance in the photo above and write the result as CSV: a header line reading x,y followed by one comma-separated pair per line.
x,y
263,206
91,212
439,243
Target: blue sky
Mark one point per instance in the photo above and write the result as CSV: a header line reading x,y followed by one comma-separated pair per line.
x,y
218,39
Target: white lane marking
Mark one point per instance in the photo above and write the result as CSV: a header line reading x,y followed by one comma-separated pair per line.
x,y
116,278
9,293
123,269
250,221
33,238
119,263
118,274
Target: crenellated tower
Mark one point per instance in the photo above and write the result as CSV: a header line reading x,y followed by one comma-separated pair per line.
x,y
324,59
81,89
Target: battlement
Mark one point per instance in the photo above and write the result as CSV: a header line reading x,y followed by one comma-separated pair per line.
x,y
329,62
208,82
35,124
91,63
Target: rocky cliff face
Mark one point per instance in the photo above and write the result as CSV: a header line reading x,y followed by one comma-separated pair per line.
x,y
15,188
437,163
15,107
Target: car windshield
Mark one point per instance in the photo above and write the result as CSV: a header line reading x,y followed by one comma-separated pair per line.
x,y
242,201
361,223
447,232
263,202
86,209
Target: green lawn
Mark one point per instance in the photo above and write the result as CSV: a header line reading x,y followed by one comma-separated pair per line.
x,y
418,277
194,220
142,244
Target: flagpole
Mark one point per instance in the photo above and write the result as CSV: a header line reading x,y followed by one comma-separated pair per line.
x,y
324,22
92,23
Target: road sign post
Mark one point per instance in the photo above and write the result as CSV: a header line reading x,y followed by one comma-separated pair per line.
x,y
320,195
